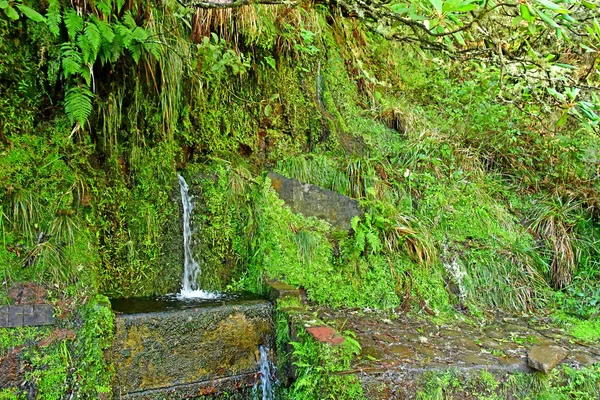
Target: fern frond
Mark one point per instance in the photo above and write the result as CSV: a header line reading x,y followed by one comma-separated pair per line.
x,y
86,48
78,103
105,7
74,23
374,242
71,59
105,29
94,38
53,16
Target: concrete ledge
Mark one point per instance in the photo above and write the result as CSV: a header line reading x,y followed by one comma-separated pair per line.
x,y
237,384
180,353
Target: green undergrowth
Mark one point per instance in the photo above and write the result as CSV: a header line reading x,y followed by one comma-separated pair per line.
x,y
54,365
320,369
563,382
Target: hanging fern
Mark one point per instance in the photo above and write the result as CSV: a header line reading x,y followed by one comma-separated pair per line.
x,y
78,103
53,16
96,36
73,22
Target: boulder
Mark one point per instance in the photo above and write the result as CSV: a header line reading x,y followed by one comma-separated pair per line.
x,y
313,201
545,357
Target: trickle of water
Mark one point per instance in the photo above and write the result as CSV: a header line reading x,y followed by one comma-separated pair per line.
x,y
191,268
265,374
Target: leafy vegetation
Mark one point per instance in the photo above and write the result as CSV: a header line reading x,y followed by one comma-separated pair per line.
x,y
467,131
563,383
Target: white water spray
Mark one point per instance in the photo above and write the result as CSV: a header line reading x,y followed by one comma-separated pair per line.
x,y
265,374
191,268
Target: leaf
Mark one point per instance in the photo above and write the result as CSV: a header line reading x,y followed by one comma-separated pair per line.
x,y
589,5
31,13
562,119
86,49
71,59
74,23
78,103
3,5
546,18
525,13
437,5
129,21
553,6
400,8
11,13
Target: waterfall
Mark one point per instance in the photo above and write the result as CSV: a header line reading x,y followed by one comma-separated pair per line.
x,y
265,374
191,268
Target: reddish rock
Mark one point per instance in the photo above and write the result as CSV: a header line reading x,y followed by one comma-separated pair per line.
x,y
325,334
57,335
27,293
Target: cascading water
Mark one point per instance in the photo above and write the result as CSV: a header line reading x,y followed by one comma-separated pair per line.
x,y
191,268
265,375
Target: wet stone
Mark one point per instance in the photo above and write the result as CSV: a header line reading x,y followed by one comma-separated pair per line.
x,y
3,317
545,357
495,333
383,338
465,343
510,361
490,344
325,334
475,359
371,352
427,351
15,316
449,333
281,290
401,351
584,358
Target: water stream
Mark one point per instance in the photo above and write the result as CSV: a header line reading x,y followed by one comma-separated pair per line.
x,y
191,268
266,383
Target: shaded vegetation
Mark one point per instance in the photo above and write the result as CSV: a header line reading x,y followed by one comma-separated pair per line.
x,y
473,198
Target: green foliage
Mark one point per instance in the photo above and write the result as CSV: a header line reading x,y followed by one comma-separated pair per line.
x,y
320,369
94,373
562,383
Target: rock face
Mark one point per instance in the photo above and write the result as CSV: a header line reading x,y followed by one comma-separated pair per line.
x,y
544,358
190,352
313,201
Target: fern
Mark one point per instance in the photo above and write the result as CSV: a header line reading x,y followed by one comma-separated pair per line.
x,y
71,60
105,29
105,7
92,34
74,23
86,49
78,103
53,16
374,242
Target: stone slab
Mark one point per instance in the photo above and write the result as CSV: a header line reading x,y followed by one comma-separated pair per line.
x,y
280,290
545,357
313,201
26,315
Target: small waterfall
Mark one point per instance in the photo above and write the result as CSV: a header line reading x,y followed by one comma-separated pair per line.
x,y
265,375
191,268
